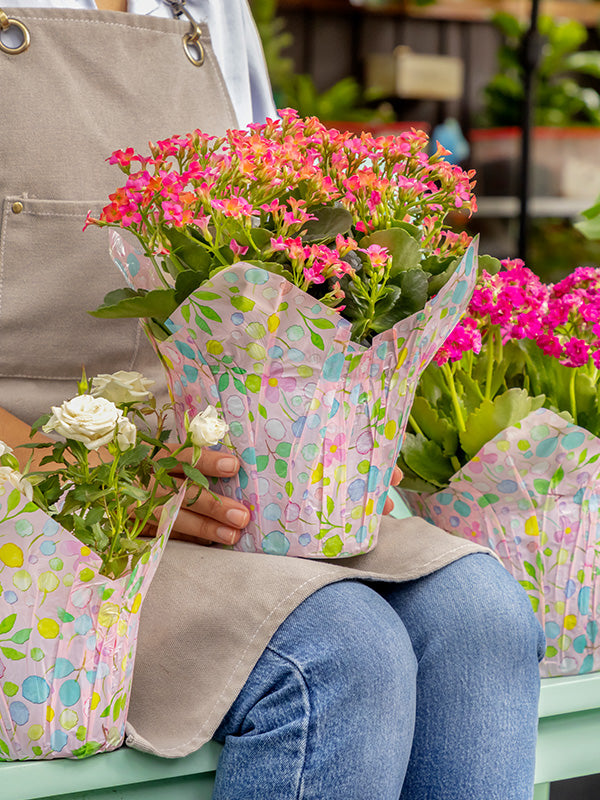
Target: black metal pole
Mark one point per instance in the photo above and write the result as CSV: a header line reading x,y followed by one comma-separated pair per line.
x,y
530,58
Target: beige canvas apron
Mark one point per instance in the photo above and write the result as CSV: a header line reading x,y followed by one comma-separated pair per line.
x,y
89,83
92,82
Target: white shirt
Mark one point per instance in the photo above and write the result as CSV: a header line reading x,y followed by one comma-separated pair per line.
x,y
235,41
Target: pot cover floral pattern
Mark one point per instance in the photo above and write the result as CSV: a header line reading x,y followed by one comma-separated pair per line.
x,y
67,636
532,494
316,419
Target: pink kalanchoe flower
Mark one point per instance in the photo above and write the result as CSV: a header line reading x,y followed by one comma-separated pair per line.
x,y
549,344
576,353
314,274
233,206
378,256
237,249
122,157
278,244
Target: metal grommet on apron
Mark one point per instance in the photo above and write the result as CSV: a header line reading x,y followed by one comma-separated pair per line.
x,y
192,46
6,23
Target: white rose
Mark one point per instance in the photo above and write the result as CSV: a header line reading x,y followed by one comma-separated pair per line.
x,y
126,433
10,475
122,387
4,448
207,428
87,419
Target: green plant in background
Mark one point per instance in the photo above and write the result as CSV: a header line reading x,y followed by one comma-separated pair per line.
x,y
560,100
589,226
275,39
344,100
555,248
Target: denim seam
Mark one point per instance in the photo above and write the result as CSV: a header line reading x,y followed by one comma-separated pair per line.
x,y
308,705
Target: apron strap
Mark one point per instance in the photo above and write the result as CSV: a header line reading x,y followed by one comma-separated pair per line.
x,y
6,23
192,46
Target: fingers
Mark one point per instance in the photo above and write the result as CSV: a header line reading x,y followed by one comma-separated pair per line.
x,y
397,475
214,463
192,527
211,518
396,478
218,464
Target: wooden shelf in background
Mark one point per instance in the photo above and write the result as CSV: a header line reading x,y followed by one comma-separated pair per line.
x,y
587,11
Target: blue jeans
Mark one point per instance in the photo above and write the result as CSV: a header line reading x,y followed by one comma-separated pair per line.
x,y
426,690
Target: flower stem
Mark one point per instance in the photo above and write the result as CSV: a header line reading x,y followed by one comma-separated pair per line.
x,y
414,425
490,366
572,395
460,422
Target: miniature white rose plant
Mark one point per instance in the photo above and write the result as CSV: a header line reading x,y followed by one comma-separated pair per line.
x,y
107,478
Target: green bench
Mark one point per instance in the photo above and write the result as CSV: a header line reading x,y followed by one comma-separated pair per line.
x,y
569,731
568,747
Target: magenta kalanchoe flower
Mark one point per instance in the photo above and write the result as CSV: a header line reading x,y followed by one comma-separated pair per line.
x,y
563,320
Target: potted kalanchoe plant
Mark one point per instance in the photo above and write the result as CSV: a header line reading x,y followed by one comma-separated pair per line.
x,y
298,279
73,568
503,445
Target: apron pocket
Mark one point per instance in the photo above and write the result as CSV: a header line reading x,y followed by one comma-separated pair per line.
x,y
51,274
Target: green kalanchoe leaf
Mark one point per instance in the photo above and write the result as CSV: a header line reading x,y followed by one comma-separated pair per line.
x,y
426,459
187,282
435,265
158,303
437,282
488,263
387,311
189,251
415,231
469,390
494,416
330,221
411,482
434,426
413,292
404,248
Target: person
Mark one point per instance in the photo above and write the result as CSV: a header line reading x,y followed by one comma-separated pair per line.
x,y
408,672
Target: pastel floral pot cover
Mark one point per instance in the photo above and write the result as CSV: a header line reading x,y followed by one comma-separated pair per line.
x,y
316,419
67,636
532,494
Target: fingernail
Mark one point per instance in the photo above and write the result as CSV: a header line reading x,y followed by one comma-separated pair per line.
x,y
228,465
227,535
237,517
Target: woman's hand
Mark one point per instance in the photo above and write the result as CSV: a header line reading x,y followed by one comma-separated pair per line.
x,y
396,478
211,518
214,518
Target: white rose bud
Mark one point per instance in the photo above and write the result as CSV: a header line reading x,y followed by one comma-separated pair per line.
x,y
122,387
126,434
10,475
4,449
87,419
207,428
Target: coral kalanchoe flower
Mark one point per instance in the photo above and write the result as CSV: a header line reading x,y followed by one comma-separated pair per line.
x,y
293,195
